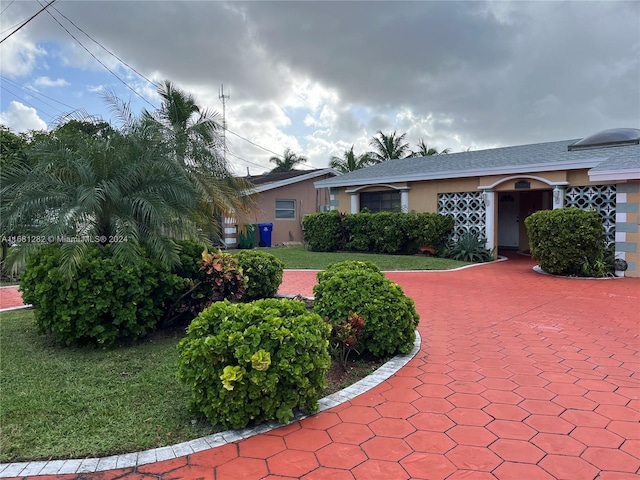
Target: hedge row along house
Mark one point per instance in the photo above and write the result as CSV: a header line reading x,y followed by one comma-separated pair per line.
x,y
491,192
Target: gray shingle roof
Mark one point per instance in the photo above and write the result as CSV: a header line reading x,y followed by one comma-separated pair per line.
x,y
518,159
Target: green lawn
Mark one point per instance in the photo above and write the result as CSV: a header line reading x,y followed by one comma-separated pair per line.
x,y
72,403
300,257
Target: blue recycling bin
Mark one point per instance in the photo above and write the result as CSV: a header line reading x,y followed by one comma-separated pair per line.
x,y
265,234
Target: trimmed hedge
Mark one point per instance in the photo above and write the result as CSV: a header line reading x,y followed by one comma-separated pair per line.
x,y
105,302
254,361
262,271
354,287
383,232
567,241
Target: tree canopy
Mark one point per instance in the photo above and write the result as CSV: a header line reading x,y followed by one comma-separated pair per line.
x,y
287,162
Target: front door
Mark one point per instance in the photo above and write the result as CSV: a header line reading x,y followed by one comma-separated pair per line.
x,y
508,220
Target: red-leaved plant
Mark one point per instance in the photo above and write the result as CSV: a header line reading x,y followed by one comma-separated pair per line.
x,y
346,337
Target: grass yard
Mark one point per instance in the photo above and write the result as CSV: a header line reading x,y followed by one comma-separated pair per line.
x,y
298,257
73,403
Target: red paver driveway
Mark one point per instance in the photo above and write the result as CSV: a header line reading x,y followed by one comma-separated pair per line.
x,y
520,376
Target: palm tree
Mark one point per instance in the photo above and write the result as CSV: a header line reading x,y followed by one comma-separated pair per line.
x,y
389,147
349,162
287,162
123,188
195,138
426,151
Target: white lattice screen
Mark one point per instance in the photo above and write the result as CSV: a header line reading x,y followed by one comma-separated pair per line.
x,y
601,198
466,208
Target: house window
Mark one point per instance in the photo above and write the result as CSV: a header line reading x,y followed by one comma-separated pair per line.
x,y
388,201
285,209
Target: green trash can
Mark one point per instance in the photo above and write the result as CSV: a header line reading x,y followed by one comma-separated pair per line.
x,y
247,235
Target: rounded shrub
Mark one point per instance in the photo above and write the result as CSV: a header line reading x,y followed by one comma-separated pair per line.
x,y
390,317
262,271
254,361
104,303
323,231
567,241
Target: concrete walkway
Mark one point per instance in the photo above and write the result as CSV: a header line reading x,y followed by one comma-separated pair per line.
x,y
520,376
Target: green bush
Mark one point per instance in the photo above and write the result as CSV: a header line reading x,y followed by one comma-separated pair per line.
x,y
388,230
567,241
323,231
254,361
366,265
429,229
358,229
390,316
104,303
262,271
469,247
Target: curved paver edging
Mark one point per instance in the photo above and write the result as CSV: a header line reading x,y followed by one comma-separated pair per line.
x,y
539,270
127,460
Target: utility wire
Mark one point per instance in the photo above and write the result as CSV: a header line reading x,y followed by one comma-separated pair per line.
x,y
26,87
29,19
98,60
5,8
22,100
105,48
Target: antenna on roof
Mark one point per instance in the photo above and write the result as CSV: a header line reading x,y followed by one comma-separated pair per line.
x,y
223,98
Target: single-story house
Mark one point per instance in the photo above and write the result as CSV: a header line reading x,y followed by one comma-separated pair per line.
x,y
492,191
282,199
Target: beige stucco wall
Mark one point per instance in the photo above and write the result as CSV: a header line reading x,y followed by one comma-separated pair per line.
x,y
308,200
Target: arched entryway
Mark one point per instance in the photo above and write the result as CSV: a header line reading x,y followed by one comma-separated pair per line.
x,y
513,207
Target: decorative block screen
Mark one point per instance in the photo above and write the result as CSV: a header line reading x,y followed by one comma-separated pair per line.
x,y
601,198
467,209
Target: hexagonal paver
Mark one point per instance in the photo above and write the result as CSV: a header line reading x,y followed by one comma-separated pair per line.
x,y
628,430
431,442
340,455
566,389
535,393
616,412
406,395
188,471
467,400
469,416
307,439
436,378
568,468
245,468
322,420
392,427
359,414
384,448
473,458
559,377
465,376
517,451
290,463
528,380
435,391
597,437
502,396
582,418
436,422
611,459
574,402
379,469
325,474
433,405
511,471
351,433
541,407
402,380
511,429
549,424
427,466
368,399
261,446
469,435
498,384
506,412
396,410
217,456
596,385
558,444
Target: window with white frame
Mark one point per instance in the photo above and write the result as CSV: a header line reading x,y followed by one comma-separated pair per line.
x,y
285,209
385,201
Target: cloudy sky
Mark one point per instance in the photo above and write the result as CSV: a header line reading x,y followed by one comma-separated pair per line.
x,y
318,77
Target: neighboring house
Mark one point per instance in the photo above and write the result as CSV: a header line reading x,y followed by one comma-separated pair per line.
x,y
283,199
491,192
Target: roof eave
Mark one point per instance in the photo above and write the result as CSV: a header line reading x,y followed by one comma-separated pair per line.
x,y
614,175
290,181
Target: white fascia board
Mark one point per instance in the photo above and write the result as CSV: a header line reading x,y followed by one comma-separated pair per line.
x,y
613,175
292,180
454,174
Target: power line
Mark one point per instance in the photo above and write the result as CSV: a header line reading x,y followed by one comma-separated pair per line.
x,y
98,60
5,8
26,87
29,19
22,100
105,48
